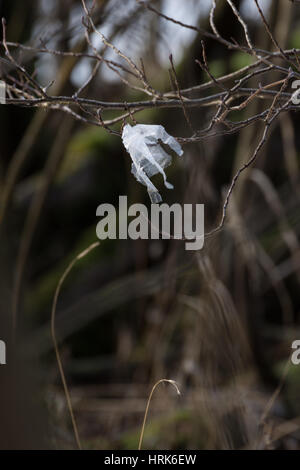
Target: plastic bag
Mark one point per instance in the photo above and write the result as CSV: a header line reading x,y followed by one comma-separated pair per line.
x,y
148,157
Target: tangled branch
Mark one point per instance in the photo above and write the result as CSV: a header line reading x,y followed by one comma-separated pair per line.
x,y
266,78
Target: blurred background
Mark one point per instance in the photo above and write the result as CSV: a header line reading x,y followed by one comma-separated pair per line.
x,y
221,321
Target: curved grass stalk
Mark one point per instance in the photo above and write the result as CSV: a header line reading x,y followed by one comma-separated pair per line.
x,y
172,382
55,342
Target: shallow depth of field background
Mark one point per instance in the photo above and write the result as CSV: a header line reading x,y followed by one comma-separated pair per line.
x,y
220,322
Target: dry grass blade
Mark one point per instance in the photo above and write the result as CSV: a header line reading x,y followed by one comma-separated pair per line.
x,y
172,382
55,342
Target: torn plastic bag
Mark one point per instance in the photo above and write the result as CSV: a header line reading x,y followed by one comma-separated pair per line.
x,y
148,157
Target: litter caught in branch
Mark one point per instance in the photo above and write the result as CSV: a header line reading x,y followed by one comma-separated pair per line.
x,y
148,157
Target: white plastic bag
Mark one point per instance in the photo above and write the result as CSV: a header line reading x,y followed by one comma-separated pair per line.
x,y
148,157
